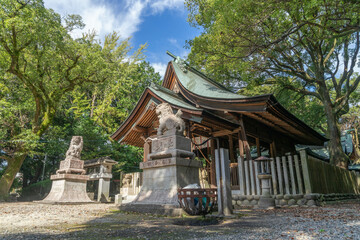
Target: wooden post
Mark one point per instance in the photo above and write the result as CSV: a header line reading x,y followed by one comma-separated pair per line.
x,y
281,185
305,169
241,166
292,175
231,148
247,177
218,181
212,164
252,176
298,174
258,147
286,176
273,147
226,188
273,176
257,180
248,157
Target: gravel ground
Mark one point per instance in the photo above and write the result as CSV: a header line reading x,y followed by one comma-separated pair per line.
x,y
103,221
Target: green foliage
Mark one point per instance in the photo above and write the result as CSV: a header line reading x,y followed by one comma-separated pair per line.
x,y
53,87
36,191
308,47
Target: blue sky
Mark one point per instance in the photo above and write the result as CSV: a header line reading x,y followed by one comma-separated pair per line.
x,y
159,23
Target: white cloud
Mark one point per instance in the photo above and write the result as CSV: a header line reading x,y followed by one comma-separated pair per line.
x,y
161,5
160,68
105,18
122,16
173,41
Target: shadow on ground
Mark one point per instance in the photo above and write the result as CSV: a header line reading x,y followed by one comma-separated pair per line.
x,y
122,225
332,221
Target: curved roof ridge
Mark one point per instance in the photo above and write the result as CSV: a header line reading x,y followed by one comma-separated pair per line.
x,y
200,84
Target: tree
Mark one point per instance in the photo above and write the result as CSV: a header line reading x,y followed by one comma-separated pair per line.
x,y
40,64
310,47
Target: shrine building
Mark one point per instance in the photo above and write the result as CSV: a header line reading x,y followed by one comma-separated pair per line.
x,y
249,127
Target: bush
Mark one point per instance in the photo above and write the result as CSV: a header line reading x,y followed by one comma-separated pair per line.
x,y
36,191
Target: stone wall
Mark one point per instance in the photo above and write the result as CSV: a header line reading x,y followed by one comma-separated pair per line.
x,y
287,200
280,200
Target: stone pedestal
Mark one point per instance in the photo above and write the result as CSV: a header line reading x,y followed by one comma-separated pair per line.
x,y
170,166
68,188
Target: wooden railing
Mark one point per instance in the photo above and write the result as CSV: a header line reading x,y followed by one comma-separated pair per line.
x,y
286,171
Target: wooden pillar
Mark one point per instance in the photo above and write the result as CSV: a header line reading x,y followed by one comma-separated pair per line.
x,y
278,167
241,166
298,174
257,180
212,164
231,148
273,175
147,145
273,148
292,175
251,172
286,176
226,188
258,147
247,177
305,170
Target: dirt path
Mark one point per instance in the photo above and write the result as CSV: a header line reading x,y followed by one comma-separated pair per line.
x,y
104,221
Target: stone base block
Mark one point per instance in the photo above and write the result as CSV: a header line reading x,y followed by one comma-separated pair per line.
x,y
156,209
118,199
162,179
68,188
266,203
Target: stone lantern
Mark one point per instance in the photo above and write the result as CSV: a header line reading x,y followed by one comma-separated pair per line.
x,y
266,201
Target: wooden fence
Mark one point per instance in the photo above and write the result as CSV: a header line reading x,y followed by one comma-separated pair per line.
x,y
294,174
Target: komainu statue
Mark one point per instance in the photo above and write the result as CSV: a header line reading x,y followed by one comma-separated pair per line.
x,y
72,162
75,148
169,123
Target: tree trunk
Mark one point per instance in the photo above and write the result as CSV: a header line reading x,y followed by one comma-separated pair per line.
x,y
337,155
8,177
38,173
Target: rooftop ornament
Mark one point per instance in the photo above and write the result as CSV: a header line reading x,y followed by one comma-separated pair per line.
x,y
180,61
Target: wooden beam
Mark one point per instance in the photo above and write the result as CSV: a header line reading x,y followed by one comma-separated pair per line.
x,y
225,132
140,129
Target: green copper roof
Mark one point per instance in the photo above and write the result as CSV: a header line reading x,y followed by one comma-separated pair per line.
x,y
199,84
171,97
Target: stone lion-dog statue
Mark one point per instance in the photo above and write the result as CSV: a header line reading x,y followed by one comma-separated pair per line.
x,y
169,123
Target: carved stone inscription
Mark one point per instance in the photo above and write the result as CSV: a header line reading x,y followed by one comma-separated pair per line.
x,y
158,163
163,144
